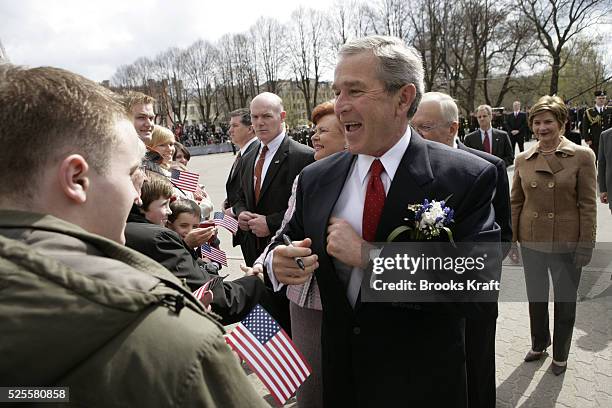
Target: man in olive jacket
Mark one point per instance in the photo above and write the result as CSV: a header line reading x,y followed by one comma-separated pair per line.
x,y
78,308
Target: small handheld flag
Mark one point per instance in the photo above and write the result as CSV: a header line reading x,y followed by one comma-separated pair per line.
x,y
260,341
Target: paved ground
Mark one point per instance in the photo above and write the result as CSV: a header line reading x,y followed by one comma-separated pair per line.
x,y
588,380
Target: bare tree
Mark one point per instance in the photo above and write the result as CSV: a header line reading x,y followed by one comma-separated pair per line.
x,y
307,50
268,35
512,43
558,22
169,69
199,61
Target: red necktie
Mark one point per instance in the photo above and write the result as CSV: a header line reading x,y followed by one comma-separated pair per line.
x,y
486,144
258,170
374,202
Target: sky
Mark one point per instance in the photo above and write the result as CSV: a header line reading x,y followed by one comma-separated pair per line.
x,y
93,38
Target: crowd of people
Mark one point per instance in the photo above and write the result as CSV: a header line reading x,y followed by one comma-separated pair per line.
x,y
101,251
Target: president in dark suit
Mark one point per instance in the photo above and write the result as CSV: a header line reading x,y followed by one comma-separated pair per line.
x,y
242,134
382,354
267,177
437,119
517,127
489,140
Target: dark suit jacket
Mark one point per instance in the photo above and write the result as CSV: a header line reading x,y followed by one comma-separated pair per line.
x,y
394,354
501,201
232,186
289,160
517,123
502,147
231,300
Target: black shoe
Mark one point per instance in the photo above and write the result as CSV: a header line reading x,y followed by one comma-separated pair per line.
x,y
533,356
558,369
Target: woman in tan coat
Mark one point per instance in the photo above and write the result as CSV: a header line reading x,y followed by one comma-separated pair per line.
x,y
554,212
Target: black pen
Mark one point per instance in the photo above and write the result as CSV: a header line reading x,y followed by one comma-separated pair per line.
x,y
297,259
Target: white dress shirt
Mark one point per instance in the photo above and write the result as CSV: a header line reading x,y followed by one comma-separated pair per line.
x,y
244,148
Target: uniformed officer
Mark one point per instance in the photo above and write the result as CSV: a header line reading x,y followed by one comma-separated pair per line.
x,y
596,120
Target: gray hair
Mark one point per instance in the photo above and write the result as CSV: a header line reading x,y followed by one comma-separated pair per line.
x,y
399,65
448,107
485,108
244,114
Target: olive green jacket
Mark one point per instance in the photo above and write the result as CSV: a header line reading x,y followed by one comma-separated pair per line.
x,y
114,326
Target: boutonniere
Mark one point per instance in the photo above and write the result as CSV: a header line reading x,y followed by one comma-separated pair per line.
x,y
427,221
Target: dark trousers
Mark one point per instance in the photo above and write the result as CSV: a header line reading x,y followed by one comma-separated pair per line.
x,y
480,361
517,139
565,277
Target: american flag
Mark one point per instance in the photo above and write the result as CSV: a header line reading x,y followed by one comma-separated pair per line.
x,y
204,295
227,222
184,180
214,254
270,353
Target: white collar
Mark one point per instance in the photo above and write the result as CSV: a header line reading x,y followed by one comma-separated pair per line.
x,y
244,148
274,144
390,160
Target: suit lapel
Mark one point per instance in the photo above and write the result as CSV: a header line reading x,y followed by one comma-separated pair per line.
x,y
327,194
275,165
408,187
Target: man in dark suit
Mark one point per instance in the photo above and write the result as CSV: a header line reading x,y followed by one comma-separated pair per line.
x,y
267,178
596,120
437,119
489,140
242,134
382,354
516,126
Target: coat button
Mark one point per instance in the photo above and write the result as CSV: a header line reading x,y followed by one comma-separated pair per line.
x,y
551,184
534,184
535,215
551,215
356,331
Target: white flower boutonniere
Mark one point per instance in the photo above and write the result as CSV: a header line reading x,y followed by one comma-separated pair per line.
x,y
427,221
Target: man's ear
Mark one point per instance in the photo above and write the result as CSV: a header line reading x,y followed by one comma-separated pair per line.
x,y
73,174
283,115
407,95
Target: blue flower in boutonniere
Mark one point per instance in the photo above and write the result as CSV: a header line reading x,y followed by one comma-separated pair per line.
x,y
427,221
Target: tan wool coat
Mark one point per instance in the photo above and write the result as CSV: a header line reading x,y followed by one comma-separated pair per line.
x,y
554,202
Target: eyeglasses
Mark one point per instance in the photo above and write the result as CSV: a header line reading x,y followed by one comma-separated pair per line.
x,y
428,128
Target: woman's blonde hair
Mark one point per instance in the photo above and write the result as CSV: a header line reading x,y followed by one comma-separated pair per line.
x,y
161,135
552,104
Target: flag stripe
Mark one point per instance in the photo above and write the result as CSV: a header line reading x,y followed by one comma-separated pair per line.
x,y
280,356
282,347
256,355
255,364
276,371
301,360
242,350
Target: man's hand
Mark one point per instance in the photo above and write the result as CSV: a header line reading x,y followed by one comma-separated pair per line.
x,y
259,226
244,218
514,132
199,236
343,243
603,197
589,142
285,268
